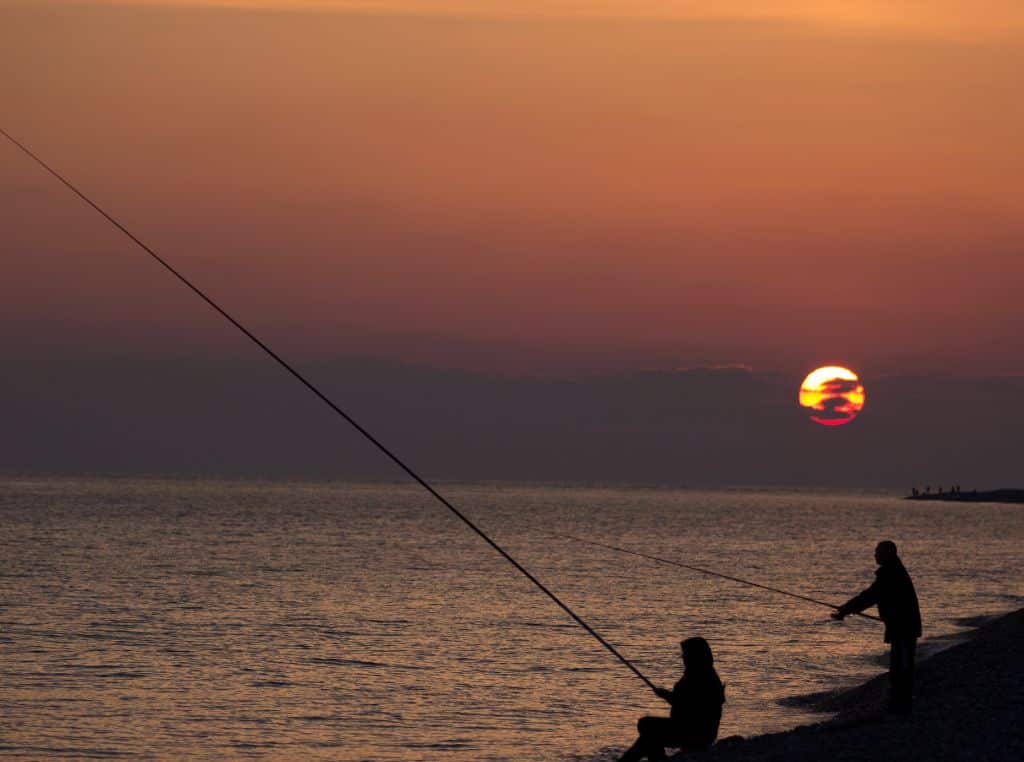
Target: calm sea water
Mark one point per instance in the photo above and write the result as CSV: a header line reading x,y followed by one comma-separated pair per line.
x,y
216,620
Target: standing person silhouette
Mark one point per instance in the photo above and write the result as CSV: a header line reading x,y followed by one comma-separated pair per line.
x,y
696,702
893,593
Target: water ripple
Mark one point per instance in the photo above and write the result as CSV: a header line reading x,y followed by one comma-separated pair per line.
x,y
174,620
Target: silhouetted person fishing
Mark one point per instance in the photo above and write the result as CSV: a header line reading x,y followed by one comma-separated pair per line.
x,y
696,702
893,593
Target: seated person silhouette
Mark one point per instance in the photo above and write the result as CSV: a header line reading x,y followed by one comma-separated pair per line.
x,y
696,702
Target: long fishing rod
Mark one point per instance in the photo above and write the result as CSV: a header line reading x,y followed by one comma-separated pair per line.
x,y
327,401
709,572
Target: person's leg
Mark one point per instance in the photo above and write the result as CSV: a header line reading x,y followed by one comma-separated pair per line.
x,y
651,743
634,753
907,675
894,666
656,732
689,743
901,675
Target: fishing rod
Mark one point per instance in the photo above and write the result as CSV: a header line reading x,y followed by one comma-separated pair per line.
x,y
330,403
708,571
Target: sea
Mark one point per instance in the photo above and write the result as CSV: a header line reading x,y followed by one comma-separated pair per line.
x,y
219,620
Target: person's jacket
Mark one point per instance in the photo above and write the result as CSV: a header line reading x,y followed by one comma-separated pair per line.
x,y
697,704
893,593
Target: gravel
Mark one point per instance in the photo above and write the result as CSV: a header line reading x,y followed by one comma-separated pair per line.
x,y
969,705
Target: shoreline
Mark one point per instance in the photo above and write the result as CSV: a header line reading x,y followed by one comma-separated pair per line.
x,y
969,705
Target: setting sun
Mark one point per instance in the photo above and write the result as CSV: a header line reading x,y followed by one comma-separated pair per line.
x,y
832,395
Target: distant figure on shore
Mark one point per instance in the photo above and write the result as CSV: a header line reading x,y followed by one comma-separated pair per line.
x,y
893,593
696,702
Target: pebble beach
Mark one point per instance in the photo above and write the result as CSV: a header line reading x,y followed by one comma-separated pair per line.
x,y
969,705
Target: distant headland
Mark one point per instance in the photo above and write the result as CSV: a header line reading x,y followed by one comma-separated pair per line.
x,y
970,496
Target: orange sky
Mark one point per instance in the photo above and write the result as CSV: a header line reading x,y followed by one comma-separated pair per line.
x,y
954,19
790,186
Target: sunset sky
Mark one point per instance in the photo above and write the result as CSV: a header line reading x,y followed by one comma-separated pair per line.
x,y
532,187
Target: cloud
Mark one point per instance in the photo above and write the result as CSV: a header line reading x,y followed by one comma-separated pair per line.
x,y
834,409
723,367
950,19
87,412
840,386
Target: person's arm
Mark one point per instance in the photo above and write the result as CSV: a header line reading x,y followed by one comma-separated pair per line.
x,y
664,694
859,602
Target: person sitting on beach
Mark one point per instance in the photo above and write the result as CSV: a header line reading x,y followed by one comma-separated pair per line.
x,y
893,592
696,702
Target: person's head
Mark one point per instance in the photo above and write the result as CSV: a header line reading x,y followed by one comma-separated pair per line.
x,y
885,551
697,654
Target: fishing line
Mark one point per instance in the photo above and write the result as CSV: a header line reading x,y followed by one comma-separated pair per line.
x,y
708,571
327,401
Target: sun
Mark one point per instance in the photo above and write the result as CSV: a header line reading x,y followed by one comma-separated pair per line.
x,y
832,395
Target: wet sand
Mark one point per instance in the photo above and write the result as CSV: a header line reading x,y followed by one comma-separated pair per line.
x,y
969,705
